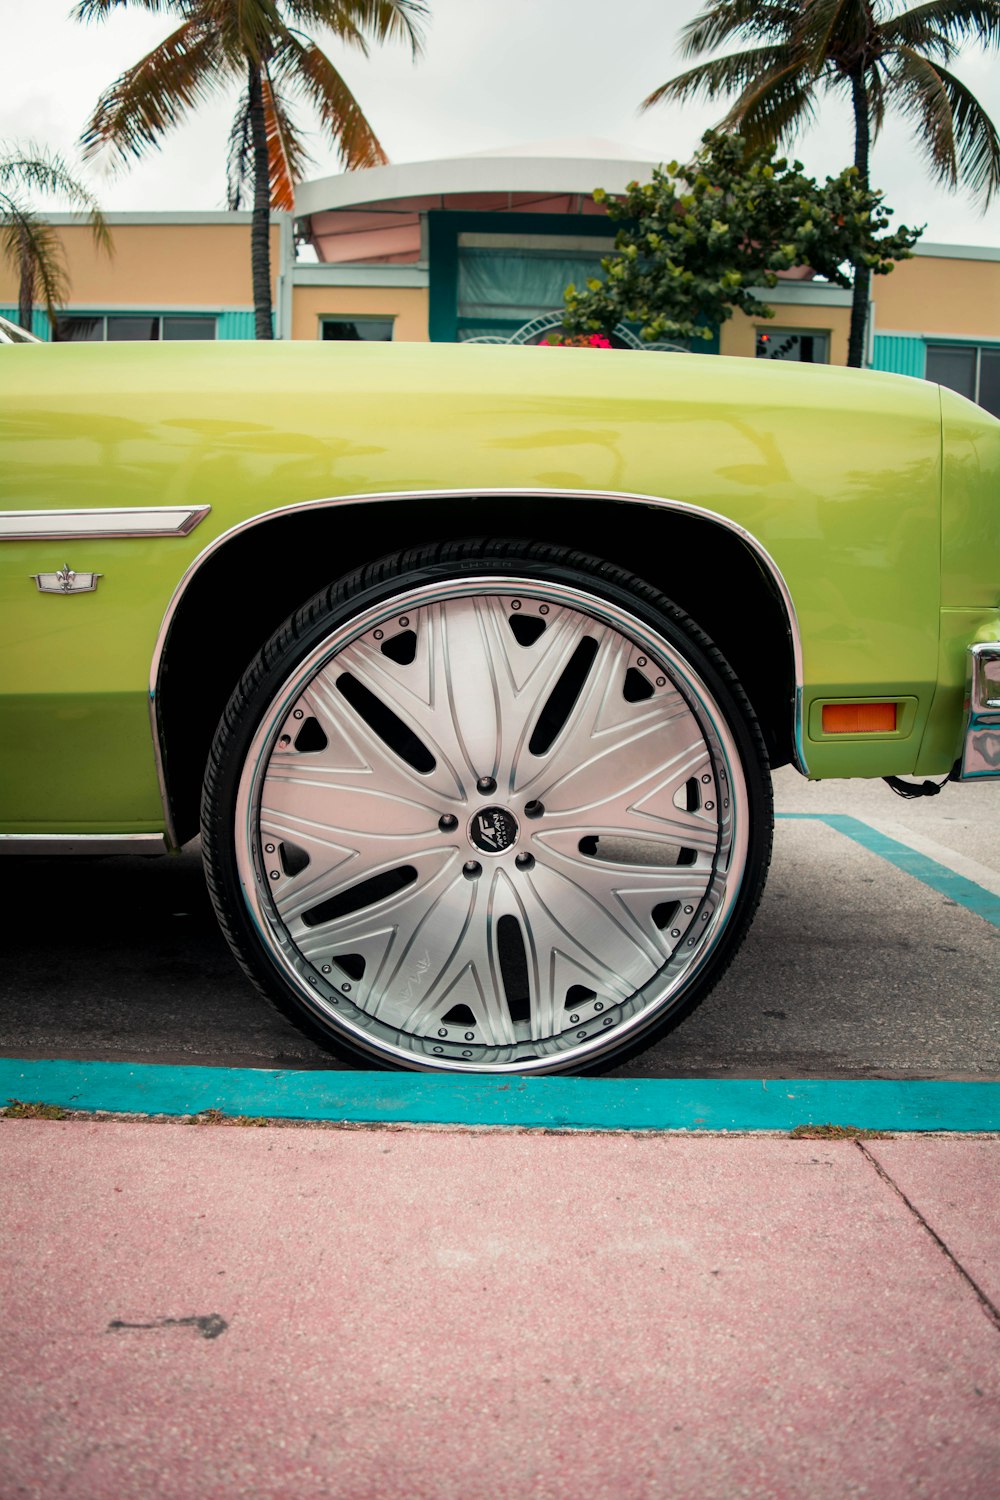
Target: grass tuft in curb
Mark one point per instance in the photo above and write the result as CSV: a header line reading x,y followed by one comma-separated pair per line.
x,y
22,1109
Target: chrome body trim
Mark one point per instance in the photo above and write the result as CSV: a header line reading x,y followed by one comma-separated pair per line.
x,y
110,521
981,740
654,502
83,843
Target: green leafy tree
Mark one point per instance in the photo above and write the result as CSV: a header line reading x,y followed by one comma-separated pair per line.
x,y
878,55
697,241
28,242
258,46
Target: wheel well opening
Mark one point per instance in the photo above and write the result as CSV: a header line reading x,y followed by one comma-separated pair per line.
x,y
703,567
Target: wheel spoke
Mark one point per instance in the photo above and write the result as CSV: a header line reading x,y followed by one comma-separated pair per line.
x,y
466,966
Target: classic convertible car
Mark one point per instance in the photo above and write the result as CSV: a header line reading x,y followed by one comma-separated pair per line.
x,y
470,664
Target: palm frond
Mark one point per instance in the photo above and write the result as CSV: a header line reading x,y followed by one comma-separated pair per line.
x,y
348,33
772,108
304,66
825,26
955,132
32,168
950,22
357,21
239,156
99,10
725,19
286,154
723,75
876,82
34,250
153,95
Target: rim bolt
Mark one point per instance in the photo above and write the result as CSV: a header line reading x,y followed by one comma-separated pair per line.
x,y
472,869
524,861
486,785
533,809
447,822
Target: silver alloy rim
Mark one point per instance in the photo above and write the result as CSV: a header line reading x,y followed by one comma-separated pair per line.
x,y
491,824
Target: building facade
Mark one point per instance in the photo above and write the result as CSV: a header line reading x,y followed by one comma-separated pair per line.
x,y
481,248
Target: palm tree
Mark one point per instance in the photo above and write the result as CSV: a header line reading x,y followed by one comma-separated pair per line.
x,y
29,242
870,50
257,45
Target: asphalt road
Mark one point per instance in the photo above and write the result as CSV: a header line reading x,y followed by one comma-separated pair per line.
x,y
854,967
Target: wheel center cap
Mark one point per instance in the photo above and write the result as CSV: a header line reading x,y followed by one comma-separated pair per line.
x,y
493,829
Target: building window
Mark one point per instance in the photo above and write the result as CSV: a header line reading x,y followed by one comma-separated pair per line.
x,y
79,328
379,329
973,370
792,344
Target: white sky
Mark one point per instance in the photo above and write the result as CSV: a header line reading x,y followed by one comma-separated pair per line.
x,y
495,73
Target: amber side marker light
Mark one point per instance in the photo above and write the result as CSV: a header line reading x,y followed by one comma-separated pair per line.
x,y
859,718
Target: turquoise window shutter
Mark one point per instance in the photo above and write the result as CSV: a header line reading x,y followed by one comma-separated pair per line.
x,y
899,354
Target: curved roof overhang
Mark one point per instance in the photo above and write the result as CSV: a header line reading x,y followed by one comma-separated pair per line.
x,y
375,214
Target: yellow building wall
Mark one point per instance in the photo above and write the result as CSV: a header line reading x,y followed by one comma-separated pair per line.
x,y
409,306
739,335
940,295
157,265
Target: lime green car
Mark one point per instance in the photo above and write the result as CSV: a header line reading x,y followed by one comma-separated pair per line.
x,y
470,664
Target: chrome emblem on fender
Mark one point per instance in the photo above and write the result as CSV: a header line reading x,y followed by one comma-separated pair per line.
x,y
66,581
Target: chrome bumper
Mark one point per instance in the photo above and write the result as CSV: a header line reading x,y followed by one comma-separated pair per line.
x,y
981,744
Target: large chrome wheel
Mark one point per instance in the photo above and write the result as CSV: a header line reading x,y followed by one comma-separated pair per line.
x,y
488,807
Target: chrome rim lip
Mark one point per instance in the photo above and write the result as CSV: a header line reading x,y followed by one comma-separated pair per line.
x,y
666,984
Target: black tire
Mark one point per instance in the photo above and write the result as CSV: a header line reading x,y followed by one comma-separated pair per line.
x,y
487,806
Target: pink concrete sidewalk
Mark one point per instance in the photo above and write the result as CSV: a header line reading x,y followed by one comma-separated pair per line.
x,y
200,1314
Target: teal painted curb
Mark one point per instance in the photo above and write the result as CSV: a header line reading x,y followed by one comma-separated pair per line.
x,y
957,888
706,1104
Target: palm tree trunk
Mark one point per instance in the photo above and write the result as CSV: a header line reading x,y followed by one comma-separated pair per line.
x,y
862,274
260,229
26,286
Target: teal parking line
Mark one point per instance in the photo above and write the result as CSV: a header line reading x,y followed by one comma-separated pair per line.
x,y
693,1104
957,888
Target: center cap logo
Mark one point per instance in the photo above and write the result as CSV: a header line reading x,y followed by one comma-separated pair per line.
x,y
493,829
